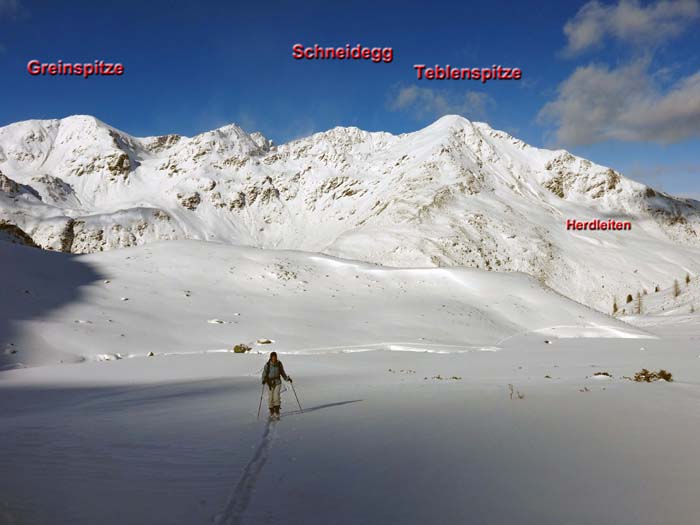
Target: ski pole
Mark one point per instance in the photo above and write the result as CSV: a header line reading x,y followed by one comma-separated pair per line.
x,y
295,395
262,391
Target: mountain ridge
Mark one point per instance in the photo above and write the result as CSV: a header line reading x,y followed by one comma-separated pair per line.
x,y
455,193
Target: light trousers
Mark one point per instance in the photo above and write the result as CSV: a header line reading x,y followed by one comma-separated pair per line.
x,y
274,399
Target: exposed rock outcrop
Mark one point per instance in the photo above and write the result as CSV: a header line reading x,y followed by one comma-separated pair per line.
x,y
14,234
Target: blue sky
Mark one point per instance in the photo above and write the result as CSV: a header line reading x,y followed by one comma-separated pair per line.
x,y
617,82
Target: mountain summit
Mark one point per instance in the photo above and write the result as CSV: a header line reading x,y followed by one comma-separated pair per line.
x,y
456,193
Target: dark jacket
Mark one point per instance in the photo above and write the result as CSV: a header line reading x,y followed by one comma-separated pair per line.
x,y
272,373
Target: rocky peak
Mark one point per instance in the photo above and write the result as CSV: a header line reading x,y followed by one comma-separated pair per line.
x,y
263,143
13,188
7,185
161,143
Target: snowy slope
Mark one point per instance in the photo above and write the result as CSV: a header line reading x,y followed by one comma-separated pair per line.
x,y
456,193
407,372
190,296
670,311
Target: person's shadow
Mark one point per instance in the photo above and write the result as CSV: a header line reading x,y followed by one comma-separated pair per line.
x,y
320,407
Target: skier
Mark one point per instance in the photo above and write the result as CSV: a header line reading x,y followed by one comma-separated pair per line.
x,y
271,376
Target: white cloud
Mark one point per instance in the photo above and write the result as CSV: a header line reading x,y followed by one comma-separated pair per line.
x,y
654,173
630,22
597,103
679,179
427,102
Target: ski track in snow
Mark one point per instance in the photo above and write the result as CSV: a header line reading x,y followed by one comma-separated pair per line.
x,y
238,503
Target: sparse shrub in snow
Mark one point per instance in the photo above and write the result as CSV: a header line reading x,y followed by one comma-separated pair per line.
x,y
645,376
615,307
687,279
629,298
676,288
656,288
241,348
638,307
514,394
666,376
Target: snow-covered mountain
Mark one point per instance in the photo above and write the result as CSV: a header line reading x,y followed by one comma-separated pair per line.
x,y
457,193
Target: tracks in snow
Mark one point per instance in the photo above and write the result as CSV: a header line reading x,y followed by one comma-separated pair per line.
x,y
242,493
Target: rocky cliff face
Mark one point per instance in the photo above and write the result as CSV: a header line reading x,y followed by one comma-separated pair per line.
x,y
13,234
454,193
